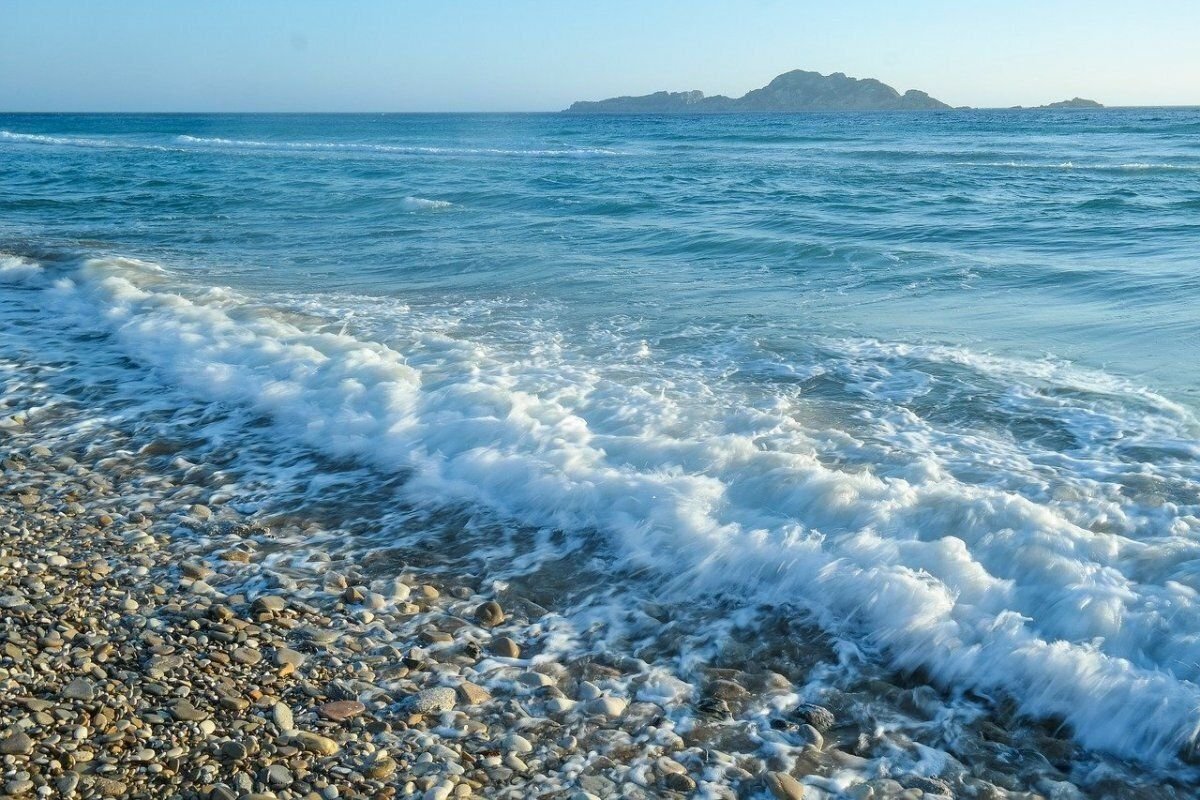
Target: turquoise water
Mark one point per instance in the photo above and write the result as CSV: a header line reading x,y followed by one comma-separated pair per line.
x,y
931,377
1072,234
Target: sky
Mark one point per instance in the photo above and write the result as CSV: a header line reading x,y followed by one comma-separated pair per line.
x,y
540,55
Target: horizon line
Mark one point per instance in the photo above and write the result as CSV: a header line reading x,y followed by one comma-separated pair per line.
x,y
612,113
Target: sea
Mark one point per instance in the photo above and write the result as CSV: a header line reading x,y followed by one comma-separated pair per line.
x,y
919,391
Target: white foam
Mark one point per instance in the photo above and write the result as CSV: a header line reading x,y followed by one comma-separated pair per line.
x,y
1071,165
423,204
34,138
191,142
1063,575
74,141
255,144
15,270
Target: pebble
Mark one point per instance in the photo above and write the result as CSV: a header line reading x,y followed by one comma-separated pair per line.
x,y
79,689
515,743
489,614
17,744
381,768
607,706
107,787
589,691
269,603
433,701
315,743
784,786
278,776
598,786
184,711
819,717
66,783
399,591
473,694
560,705
679,782
247,655
285,656
810,735
505,647
18,786
195,570
283,717
536,679
233,751
341,710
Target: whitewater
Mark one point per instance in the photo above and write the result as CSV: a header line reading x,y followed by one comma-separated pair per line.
x,y
860,377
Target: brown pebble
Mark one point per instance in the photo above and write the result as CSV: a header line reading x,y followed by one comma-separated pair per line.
x,y
489,614
473,694
315,743
341,710
19,744
505,647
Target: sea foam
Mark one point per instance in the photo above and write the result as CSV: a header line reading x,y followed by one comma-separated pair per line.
x,y
14,269
424,204
1052,575
370,147
75,141
184,142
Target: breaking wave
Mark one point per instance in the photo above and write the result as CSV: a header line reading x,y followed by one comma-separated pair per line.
x,y
1056,566
253,144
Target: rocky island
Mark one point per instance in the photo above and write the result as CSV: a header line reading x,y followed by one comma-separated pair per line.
x,y
1075,102
798,90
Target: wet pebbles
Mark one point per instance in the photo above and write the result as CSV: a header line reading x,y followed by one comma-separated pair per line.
x,y
154,643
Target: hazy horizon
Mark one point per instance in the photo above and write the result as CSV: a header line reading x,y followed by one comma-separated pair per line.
x,y
534,56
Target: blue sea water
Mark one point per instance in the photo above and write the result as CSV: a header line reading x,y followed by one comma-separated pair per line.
x,y
1028,232
930,377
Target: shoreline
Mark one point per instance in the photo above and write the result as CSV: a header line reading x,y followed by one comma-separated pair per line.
x,y
158,642
135,664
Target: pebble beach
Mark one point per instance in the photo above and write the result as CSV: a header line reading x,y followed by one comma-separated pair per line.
x,y
136,664
155,645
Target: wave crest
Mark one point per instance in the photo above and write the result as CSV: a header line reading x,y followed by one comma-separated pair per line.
x,y
368,147
423,204
975,579
74,141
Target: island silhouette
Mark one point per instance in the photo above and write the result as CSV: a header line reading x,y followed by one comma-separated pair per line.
x,y
797,90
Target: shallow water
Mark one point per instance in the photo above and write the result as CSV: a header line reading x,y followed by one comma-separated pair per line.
x,y
928,378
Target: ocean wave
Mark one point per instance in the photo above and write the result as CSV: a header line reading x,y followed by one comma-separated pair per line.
x,y
1051,574
37,138
75,141
423,204
193,142
1071,165
253,144
14,269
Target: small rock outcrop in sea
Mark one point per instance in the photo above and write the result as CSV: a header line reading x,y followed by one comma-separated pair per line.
x,y
798,90
1075,102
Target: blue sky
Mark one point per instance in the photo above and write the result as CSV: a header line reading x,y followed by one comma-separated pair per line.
x,y
534,55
